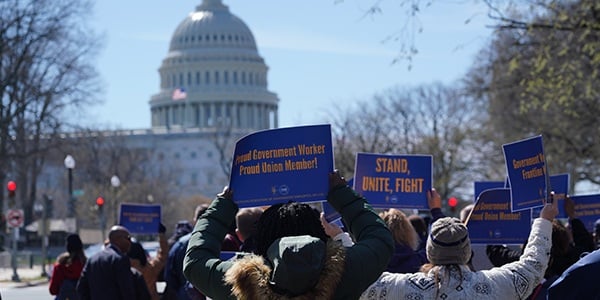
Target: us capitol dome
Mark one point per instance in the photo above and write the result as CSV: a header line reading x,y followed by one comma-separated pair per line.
x,y
213,75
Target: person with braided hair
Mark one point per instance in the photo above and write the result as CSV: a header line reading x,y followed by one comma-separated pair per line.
x,y
294,256
448,275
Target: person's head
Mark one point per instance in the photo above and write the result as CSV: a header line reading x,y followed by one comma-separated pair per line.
x,y
74,248
418,224
465,212
402,230
560,259
73,244
245,221
448,242
137,252
561,239
287,219
119,237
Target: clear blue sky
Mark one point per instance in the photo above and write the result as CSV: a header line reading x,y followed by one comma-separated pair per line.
x,y
318,51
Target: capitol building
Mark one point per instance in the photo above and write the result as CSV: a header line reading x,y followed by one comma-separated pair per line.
x,y
214,61
213,90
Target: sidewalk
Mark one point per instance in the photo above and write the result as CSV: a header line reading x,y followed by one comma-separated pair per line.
x,y
27,276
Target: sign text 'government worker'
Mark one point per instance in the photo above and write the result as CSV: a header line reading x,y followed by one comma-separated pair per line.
x,y
527,174
280,165
393,180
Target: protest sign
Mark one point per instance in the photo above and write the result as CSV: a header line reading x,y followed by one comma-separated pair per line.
x,y
527,173
492,221
587,209
280,165
399,181
481,186
140,218
560,186
330,213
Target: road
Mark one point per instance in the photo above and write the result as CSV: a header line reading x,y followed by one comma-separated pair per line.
x,y
38,292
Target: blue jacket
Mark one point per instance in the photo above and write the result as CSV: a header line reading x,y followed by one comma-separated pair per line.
x,y
580,281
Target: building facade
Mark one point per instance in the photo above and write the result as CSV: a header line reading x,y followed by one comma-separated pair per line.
x,y
213,75
213,90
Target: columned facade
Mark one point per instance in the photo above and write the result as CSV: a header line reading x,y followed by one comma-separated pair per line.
x,y
213,58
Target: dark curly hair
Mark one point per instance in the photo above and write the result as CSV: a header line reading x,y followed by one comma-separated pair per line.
x,y
287,219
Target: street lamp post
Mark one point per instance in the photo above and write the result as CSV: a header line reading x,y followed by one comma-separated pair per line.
x,y
70,165
40,210
115,182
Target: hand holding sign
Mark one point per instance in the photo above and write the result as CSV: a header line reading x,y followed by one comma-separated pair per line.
x,y
570,207
549,211
227,193
330,228
336,180
434,200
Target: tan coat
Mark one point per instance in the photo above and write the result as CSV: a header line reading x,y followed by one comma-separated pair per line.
x,y
154,266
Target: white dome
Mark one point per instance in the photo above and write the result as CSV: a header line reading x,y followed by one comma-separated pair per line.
x,y
212,25
213,65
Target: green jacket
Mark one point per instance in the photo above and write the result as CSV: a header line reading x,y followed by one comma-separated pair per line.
x,y
363,262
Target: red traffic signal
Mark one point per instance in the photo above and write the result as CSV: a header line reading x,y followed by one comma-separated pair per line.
x,y
11,186
452,202
99,201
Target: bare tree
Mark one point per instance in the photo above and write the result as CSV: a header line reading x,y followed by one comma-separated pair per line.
x,y
431,119
45,73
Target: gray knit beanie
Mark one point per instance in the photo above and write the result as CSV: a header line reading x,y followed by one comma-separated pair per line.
x,y
448,243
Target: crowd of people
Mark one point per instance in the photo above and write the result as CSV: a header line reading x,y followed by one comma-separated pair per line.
x,y
289,251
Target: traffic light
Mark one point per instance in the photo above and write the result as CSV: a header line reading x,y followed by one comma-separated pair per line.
x,y
49,206
99,203
452,203
11,186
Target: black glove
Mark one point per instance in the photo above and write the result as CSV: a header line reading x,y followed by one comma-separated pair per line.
x,y
161,228
336,180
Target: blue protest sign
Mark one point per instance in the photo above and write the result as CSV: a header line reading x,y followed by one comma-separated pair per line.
x,y
280,165
587,209
399,181
228,255
527,173
493,222
560,185
481,186
330,213
140,218
350,182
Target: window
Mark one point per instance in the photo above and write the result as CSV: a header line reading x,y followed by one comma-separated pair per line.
x,y
177,155
235,79
193,155
225,77
197,78
189,79
209,154
216,77
207,77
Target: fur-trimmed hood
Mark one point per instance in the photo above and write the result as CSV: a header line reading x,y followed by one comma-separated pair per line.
x,y
251,277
